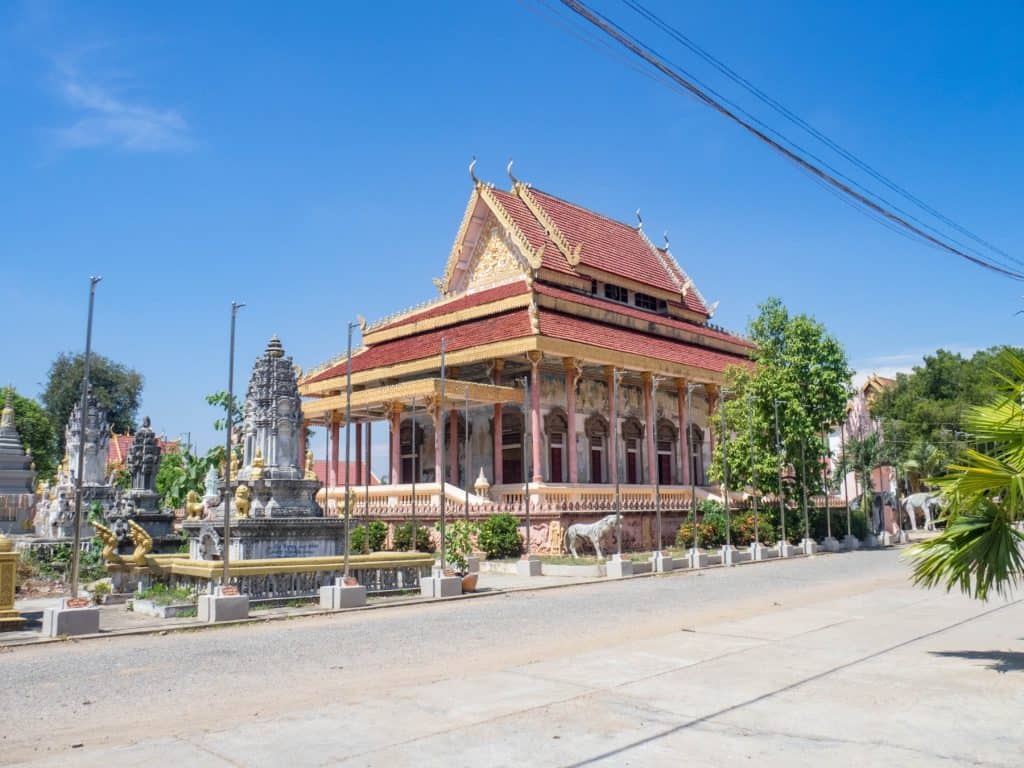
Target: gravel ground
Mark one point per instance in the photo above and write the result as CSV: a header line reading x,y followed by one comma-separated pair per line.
x,y
115,690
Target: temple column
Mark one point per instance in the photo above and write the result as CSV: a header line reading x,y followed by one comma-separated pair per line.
x,y
535,358
453,446
438,418
359,453
332,465
395,444
494,374
613,428
684,442
711,394
650,428
369,454
571,373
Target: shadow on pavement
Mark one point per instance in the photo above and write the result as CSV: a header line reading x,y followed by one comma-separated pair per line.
x,y
1002,661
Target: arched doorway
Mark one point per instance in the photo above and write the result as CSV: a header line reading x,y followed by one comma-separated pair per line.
x,y
596,428
632,439
556,430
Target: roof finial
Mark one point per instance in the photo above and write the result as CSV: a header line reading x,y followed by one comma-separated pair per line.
x,y
472,165
639,220
666,239
508,169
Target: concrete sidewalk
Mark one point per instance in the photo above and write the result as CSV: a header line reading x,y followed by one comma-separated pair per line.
x,y
801,664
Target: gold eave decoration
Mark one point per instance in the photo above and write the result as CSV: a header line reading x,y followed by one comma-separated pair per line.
x,y
572,255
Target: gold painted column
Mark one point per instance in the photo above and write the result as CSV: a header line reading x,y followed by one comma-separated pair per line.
x,y
9,618
684,429
535,428
572,372
612,452
650,428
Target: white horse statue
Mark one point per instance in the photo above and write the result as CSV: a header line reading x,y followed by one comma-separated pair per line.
x,y
922,502
576,533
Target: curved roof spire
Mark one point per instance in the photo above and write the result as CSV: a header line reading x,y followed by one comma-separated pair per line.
x,y
472,175
508,169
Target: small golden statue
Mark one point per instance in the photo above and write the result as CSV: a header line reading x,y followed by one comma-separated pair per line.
x,y
242,503
235,464
257,466
310,471
143,544
194,507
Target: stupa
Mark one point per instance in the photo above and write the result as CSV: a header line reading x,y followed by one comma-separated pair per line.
x,y
140,502
55,515
16,474
273,510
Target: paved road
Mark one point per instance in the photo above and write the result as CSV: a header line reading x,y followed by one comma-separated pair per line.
x,y
832,660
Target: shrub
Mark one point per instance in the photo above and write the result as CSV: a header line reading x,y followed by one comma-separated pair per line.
x,y
706,532
499,537
459,543
714,524
374,542
743,529
403,538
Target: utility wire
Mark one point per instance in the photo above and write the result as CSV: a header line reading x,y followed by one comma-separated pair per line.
x,y
650,56
799,121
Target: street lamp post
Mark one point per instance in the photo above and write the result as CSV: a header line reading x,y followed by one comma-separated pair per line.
x,y
440,447
725,471
695,552
465,455
783,543
825,485
77,535
526,473
846,481
803,484
616,377
415,469
753,476
226,546
656,471
348,430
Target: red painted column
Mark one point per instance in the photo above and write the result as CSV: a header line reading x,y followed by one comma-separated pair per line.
x,y
369,453
684,443
499,450
612,451
438,417
453,446
651,428
538,474
332,465
358,478
571,372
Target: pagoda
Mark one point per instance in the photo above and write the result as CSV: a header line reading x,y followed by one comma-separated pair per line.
x,y
16,473
579,357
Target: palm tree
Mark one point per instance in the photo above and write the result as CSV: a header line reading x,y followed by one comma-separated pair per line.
x,y
982,547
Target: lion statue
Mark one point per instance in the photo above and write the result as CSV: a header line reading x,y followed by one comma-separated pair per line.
x,y
242,503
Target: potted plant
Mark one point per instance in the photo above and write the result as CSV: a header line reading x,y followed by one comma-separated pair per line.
x,y
459,545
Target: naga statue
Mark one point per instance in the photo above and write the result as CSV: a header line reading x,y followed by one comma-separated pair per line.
x,y
143,544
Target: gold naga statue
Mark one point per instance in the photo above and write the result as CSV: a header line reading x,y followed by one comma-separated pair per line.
x,y
194,507
242,502
310,471
143,544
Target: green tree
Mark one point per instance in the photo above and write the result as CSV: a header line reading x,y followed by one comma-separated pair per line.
x,y
180,473
923,414
803,368
37,435
220,400
982,546
116,387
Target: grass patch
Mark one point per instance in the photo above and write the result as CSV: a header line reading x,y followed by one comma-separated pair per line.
x,y
161,594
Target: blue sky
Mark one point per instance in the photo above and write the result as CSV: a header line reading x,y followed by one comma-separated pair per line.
x,y
313,165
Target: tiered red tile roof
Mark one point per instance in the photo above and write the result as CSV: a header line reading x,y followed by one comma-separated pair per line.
x,y
464,301
119,446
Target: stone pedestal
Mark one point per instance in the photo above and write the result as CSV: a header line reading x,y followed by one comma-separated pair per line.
x,y
870,541
696,559
222,607
809,547
441,586
619,566
733,556
528,565
662,563
66,622
342,595
759,551
830,544
472,561
902,537
850,543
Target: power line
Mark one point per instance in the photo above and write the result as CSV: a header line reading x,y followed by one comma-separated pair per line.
x,y
651,56
799,121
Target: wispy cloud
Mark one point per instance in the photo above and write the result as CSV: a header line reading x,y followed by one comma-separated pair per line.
x,y
903,362
105,120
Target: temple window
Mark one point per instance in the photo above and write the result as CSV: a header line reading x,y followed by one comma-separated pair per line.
x,y
632,434
512,446
556,429
645,301
616,293
597,438
666,450
697,455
